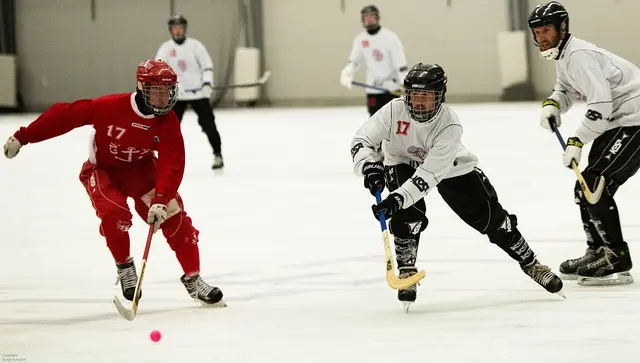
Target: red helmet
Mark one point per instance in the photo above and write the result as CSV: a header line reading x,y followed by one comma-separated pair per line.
x,y
158,85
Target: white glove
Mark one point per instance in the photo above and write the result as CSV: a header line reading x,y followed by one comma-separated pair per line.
x,y
550,112
12,147
572,152
346,77
207,90
157,215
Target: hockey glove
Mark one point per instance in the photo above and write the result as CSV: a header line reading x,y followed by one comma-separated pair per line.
x,y
373,176
157,212
207,90
12,147
389,206
550,113
346,76
572,152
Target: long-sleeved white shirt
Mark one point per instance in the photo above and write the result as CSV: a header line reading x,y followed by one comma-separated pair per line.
x,y
383,57
192,63
435,148
609,84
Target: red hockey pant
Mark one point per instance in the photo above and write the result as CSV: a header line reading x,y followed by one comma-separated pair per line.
x,y
109,190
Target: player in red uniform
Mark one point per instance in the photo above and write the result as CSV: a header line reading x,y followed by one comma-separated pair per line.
x,y
129,127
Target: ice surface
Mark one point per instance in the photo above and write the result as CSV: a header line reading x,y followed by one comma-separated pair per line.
x,y
287,234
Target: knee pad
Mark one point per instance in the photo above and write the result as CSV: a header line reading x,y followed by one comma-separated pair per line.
x,y
408,227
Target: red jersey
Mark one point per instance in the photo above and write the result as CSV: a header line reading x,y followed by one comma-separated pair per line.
x,y
123,136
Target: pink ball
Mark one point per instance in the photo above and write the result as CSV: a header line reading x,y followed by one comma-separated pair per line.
x,y
155,336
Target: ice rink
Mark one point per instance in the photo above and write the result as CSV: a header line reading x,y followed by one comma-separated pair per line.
x,y
288,235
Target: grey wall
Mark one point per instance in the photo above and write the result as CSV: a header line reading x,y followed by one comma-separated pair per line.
x,y
308,42
64,55
611,24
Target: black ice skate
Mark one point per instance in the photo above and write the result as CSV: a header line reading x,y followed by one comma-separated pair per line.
x,y
544,277
127,277
569,268
611,268
408,296
218,162
201,291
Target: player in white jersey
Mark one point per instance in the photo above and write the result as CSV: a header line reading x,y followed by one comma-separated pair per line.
x,y
610,85
418,138
383,56
191,61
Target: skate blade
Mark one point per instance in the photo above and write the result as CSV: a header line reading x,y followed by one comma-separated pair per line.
x,y
406,305
568,277
219,304
218,171
621,278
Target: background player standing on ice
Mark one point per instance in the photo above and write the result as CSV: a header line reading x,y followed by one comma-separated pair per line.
x,y
191,61
611,87
383,55
421,139
128,129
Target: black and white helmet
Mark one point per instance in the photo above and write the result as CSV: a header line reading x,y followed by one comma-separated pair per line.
x,y
551,13
425,79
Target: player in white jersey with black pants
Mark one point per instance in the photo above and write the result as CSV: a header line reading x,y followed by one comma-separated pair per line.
x,y
421,151
191,61
610,85
382,54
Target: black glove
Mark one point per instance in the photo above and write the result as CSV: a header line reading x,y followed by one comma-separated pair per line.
x,y
389,206
373,176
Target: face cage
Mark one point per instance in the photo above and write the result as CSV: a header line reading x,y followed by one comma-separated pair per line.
x,y
424,115
151,91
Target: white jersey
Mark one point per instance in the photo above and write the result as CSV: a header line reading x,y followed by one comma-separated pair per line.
x,y
192,63
434,148
383,56
609,84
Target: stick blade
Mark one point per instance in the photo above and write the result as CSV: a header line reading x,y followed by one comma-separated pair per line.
x,y
397,283
128,314
597,193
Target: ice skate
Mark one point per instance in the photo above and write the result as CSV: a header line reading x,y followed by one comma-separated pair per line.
x,y
544,277
127,277
202,292
569,268
407,296
218,162
611,268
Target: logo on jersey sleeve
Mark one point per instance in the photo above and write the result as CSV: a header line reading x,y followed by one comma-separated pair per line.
x,y
418,152
365,44
593,115
172,53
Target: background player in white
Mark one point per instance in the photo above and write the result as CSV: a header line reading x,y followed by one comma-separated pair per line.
x,y
610,86
422,150
383,56
191,61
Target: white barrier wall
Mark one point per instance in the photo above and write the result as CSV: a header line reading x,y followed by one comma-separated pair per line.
x,y
307,42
